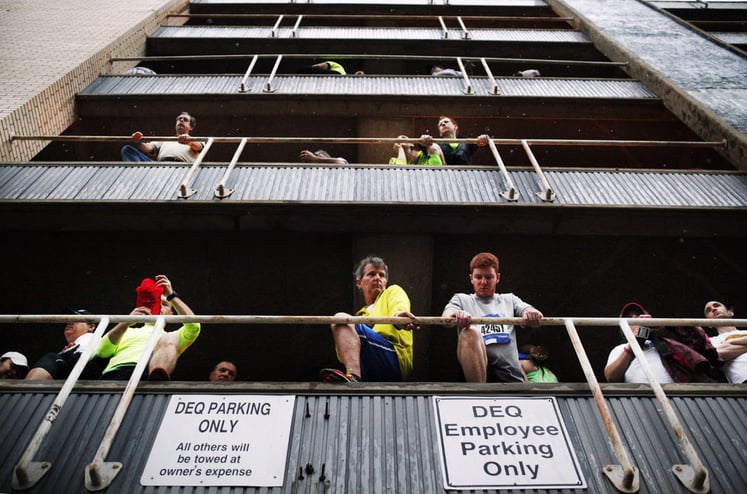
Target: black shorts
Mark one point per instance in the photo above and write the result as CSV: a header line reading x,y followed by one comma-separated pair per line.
x,y
60,365
122,373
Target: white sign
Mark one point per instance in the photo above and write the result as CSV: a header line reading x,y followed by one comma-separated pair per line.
x,y
505,443
231,440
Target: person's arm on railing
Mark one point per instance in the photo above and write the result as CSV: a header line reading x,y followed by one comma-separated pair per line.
x,y
143,146
733,347
616,368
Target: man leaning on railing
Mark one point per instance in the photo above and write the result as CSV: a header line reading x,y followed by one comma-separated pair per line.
x,y
185,149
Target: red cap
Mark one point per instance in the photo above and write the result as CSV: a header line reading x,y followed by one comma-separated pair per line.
x,y
634,306
149,295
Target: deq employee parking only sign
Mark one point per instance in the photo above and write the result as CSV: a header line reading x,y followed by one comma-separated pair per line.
x,y
505,443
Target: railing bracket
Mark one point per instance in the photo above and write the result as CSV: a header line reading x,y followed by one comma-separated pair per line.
x,y
693,481
101,475
27,476
622,482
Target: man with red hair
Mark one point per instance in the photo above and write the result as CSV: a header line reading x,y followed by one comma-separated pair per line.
x,y
488,351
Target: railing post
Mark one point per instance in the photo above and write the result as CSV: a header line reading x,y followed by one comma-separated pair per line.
x,y
242,86
511,194
444,31
184,190
465,76
548,195
99,474
268,84
295,27
28,472
221,191
623,476
465,32
693,476
274,32
493,83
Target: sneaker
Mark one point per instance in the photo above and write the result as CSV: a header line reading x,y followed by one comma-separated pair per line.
x,y
159,374
336,376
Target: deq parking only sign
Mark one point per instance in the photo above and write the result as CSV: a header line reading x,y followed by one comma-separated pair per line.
x,y
221,440
505,443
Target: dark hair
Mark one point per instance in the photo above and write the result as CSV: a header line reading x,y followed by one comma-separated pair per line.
x,y
215,366
377,262
536,353
192,120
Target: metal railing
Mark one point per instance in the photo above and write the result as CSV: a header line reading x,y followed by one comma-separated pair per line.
x,y
99,474
510,194
461,62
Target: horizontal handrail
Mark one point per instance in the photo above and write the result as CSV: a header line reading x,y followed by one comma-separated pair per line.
x,y
379,140
364,56
387,17
306,319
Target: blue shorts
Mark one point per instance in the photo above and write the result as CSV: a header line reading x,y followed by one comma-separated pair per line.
x,y
379,362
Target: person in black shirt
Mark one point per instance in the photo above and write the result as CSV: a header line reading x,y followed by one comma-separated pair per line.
x,y
454,153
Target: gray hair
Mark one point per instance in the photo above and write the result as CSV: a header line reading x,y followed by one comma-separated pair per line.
x,y
377,263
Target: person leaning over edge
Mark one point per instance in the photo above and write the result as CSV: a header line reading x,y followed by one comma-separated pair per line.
x,y
381,353
622,365
59,365
454,153
125,342
321,156
730,342
488,351
224,371
414,154
185,149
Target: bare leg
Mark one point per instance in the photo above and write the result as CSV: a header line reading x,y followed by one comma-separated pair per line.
x,y
348,346
472,355
165,353
38,374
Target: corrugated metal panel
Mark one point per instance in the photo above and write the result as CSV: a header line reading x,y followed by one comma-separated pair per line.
x,y
376,442
731,38
487,3
375,33
366,86
363,185
698,4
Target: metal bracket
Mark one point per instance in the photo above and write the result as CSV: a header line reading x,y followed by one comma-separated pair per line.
x,y
694,482
185,191
616,475
26,478
546,196
100,476
511,195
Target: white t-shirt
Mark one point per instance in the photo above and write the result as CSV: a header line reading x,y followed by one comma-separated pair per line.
x,y
635,373
735,369
81,342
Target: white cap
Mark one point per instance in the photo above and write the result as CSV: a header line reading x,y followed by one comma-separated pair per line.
x,y
16,358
